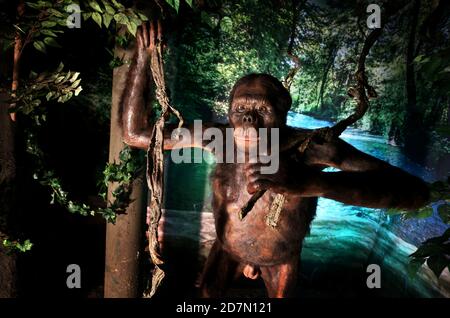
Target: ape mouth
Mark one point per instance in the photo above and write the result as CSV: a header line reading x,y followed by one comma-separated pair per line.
x,y
246,135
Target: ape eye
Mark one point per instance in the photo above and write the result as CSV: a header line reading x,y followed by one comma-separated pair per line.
x,y
240,108
262,109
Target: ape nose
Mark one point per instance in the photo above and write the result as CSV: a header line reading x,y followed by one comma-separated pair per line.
x,y
248,119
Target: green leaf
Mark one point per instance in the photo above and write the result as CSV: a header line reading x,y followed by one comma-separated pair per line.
x,y
87,15
55,13
74,77
48,32
108,8
121,18
97,18
132,28
48,24
33,5
437,264
60,67
189,2
226,24
78,90
94,5
49,95
67,76
76,83
142,16
59,79
107,19
117,4
174,4
51,42
40,46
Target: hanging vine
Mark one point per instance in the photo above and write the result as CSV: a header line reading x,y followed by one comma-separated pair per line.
x,y
155,161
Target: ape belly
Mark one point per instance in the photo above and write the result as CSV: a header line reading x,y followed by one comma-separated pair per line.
x,y
252,241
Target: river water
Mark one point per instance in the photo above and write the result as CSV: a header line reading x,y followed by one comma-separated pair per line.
x,y
344,239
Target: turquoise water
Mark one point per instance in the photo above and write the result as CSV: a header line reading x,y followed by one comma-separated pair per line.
x,y
344,239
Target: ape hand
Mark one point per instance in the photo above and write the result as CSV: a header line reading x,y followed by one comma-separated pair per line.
x,y
291,177
145,41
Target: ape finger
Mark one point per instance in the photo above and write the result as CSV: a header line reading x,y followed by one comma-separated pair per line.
x,y
145,34
258,185
251,168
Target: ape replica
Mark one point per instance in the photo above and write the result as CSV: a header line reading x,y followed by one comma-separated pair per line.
x,y
248,246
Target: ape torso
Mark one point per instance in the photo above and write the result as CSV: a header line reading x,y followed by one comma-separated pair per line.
x,y
251,240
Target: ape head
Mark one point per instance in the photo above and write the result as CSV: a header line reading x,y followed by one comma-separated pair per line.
x,y
257,101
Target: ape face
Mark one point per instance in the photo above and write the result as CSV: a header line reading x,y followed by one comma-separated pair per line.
x,y
257,101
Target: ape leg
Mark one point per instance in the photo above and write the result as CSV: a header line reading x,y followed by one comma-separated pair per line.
x,y
280,280
219,271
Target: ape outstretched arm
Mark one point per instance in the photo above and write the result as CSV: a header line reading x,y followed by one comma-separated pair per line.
x,y
363,179
368,181
136,129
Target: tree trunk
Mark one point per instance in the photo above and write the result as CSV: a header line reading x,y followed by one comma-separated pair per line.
x,y
124,240
415,138
8,174
331,56
8,273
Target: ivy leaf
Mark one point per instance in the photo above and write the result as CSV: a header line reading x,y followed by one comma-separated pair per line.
x,y
108,8
121,18
97,18
107,19
142,16
117,4
189,2
48,32
40,46
48,24
94,5
55,13
87,15
132,27
51,42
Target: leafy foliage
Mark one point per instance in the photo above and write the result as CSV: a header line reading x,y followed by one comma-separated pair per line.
x,y
40,25
60,86
44,21
15,245
123,173
435,251
106,11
